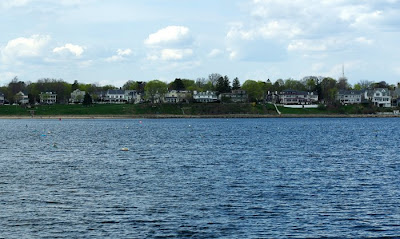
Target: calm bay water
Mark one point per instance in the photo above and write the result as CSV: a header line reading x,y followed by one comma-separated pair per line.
x,y
200,178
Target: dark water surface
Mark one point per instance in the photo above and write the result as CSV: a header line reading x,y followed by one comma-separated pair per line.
x,y
200,178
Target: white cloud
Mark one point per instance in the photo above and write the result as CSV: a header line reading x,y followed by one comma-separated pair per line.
x,y
364,40
214,53
24,47
69,49
169,35
175,54
272,29
172,43
171,54
120,56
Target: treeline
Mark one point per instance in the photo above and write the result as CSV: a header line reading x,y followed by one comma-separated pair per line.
x,y
326,87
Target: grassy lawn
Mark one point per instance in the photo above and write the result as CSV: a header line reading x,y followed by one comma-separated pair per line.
x,y
178,109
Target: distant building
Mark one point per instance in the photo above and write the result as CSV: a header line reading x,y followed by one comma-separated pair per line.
x,y
272,97
21,98
132,96
236,96
294,97
77,96
205,97
118,96
177,96
396,97
48,98
2,99
380,97
349,96
115,96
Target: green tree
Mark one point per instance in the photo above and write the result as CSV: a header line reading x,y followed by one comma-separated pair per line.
x,y
155,90
201,82
130,85
294,85
87,99
357,87
189,84
236,84
75,86
310,83
177,85
328,90
222,85
213,78
278,85
208,86
253,89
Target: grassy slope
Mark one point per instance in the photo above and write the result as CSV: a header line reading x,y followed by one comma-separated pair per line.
x,y
175,109
142,109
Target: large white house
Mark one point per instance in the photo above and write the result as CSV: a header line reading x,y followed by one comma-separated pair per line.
x,y
294,97
48,98
379,97
21,98
205,97
115,96
176,96
349,96
77,96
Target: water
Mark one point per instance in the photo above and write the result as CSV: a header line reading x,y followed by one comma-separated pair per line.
x,y
200,178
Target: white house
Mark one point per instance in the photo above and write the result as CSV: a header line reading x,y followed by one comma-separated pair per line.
x,y
132,96
349,96
176,96
379,97
48,98
115,96
294,97
205,97
77,96
21,98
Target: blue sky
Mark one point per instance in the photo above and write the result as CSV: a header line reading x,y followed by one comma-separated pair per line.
x,y
111,42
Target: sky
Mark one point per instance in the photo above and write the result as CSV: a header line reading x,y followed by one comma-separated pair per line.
x,y
113,41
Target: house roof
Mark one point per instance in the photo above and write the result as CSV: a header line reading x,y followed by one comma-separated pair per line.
x,y
116,92
350,92
296,92
384,91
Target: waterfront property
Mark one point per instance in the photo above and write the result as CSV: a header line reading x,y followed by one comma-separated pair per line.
x,y
380,97
236,96
115,96
289,97
77,96
205,97
349,96
272,97
48,98
177,96
21,98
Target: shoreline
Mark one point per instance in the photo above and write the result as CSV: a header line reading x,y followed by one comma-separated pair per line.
x,y
224,116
